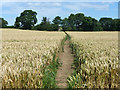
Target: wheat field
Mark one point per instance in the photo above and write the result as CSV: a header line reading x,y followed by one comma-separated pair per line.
x,y
25,54
97,59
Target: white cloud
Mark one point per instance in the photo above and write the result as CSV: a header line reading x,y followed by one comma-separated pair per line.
x,y
44,4
57,4
80,6
33,4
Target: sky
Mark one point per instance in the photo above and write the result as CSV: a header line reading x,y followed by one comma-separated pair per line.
x,y
10,10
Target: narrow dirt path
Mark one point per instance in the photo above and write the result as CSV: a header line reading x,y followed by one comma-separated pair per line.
x,y
66,58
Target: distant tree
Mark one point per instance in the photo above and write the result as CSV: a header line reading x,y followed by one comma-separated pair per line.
x,y
57,21
3,23
17,23
107,24
44,25
45,21
79,18
65,24
87,24
96,26
76,21
71,20
91,24
116,24
26,20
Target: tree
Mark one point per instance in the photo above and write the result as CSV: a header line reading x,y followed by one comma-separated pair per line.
x,y
44,25
87,24
79,18
91,24
57,21
107,24
26,20
17,22
116,24
96,26
76,21
71,20
3,23
65,24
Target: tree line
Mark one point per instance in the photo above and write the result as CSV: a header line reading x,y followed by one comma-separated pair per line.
x,y
74,22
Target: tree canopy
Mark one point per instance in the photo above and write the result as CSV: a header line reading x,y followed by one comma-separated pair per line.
x,y
26,20
3,23
74,22
107,24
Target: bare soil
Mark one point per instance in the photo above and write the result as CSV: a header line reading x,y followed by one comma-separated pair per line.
x,y
66,58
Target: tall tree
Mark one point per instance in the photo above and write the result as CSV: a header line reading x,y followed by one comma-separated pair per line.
x,y
17,22
79,18
45,20
96,26
76,21
87,24
71,20
26,20
116,24
65,24
44,25
106,23
57,21
3,23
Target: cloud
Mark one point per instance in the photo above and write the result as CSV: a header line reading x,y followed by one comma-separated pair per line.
x,y
33,4
80,6
57,4
44,4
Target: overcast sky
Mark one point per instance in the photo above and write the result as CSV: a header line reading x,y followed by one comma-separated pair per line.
x,y
10,10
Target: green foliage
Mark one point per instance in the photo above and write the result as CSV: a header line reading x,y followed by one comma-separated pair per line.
x,y
46,25
79,22
9,27
17,23
3,23
26,20
78,78
49,73
57,21
116,24
74,22
107,24
63,43
76,81
66,25
67,37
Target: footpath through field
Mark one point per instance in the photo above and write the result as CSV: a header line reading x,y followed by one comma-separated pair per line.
x,y
66,58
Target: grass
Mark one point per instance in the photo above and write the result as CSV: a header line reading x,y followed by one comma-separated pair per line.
x,y
49,73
